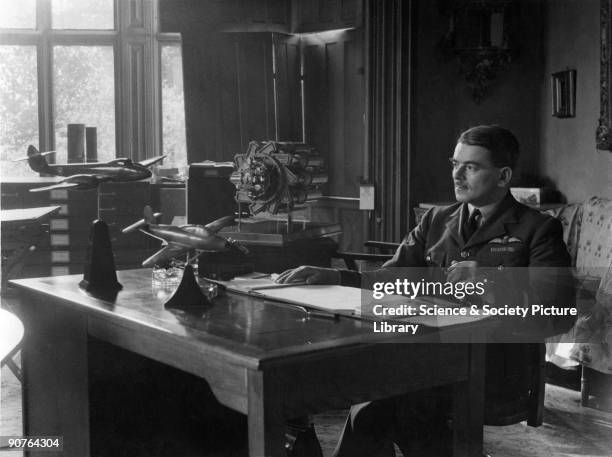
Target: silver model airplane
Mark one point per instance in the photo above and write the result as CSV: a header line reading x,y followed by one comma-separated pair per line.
x,y
184,239
88,175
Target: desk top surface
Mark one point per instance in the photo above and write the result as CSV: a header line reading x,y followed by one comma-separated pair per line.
x,y
241,329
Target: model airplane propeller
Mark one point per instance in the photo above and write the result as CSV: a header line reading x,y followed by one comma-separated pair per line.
x,y
88,175
184,239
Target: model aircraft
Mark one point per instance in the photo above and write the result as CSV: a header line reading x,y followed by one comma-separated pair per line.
x,y
184,239
88,175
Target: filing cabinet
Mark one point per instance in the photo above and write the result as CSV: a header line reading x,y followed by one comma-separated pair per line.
x,y
64,250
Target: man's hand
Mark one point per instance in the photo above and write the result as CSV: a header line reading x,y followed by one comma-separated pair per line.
x,y
310,275
465,271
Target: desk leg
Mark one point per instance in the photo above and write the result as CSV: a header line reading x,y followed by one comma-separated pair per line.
x,y
468,407
55,376
265,417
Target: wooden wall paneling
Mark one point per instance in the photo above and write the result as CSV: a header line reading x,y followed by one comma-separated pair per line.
x,y
228,93
334,56
288,88
389,118
333,105
304,15
255,87
198,81
321,15
226,118
278,12
354,90
328,12
225,15
344,211
351,12
316,115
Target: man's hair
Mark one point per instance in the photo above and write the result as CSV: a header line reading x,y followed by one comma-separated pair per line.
x,y
501,142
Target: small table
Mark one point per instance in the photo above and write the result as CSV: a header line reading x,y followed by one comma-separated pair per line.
x,y
259,358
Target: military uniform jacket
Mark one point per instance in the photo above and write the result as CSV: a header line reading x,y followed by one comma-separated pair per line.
x,y
514,235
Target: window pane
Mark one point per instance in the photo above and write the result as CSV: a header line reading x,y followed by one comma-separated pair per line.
x,y
84,90
82,14
18,107
18,14
173,107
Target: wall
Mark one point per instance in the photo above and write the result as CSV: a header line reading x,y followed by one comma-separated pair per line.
x,y
443,107
568,153
333,105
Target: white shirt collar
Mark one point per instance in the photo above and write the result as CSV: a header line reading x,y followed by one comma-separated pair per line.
x,y
485,210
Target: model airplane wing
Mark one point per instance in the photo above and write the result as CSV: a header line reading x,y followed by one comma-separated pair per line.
x,y
75,182
59,185
215,226
164,255
149,162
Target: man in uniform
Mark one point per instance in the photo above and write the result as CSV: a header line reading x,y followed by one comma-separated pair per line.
x,y
487,227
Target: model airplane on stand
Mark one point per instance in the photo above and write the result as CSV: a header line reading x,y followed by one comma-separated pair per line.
x,y
88,175
184,239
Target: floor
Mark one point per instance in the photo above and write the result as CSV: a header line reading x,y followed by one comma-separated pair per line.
x,y
569,430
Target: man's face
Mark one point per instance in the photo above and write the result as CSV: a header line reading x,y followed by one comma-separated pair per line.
x,y
476,180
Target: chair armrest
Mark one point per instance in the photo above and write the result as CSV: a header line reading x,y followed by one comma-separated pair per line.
x,y
381,245
350,258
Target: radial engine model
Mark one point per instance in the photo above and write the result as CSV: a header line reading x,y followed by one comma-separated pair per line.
x,y
276,177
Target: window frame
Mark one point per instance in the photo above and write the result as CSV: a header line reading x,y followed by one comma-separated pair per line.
x,y
136,42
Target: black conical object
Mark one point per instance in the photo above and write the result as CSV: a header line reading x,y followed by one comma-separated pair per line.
x,y
188,293
100,276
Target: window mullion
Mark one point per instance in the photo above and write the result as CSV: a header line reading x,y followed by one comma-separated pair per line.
x,y
121,86
154,89
45,77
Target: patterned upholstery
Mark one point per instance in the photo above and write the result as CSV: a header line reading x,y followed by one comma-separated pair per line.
x,y
594,254
571,219
587,230
594,331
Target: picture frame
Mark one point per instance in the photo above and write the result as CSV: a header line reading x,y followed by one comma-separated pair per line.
x,y
563,86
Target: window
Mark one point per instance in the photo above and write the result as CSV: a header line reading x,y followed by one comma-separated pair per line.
x,y
102,63
173,106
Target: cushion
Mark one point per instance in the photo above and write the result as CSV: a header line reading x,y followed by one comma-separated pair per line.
x,y
570,217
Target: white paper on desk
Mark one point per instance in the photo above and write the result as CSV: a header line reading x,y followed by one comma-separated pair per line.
x,y
347,300
336,299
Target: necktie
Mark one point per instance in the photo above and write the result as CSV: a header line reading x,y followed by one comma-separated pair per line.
x,y
471,225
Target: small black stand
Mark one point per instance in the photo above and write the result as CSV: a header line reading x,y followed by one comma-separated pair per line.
x,y
188,293
100,277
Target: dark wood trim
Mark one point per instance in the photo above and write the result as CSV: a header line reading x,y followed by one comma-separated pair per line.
x,y
604,129
388,115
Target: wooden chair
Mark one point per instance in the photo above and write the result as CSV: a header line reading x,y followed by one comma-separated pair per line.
x,y
530,407
11,334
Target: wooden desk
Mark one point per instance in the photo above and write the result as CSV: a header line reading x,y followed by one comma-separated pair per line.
x,y
259,358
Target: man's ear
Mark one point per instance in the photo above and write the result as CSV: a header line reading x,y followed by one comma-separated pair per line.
x,y
505,176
